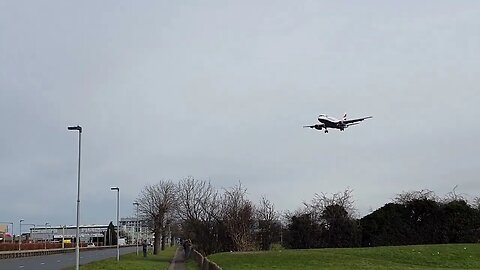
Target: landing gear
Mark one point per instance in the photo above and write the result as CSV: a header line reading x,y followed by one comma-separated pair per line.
x,y
326,131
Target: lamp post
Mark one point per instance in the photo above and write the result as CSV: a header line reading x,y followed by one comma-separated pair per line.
x,y
20,235
46,232
30,224
118,225
12,234
136,228
77,234
140,231
63,236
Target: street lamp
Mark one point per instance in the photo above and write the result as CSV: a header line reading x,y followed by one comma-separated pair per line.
x,y
20,234
63,236
77,248
12,234
46,232
118,225
136,228
30,224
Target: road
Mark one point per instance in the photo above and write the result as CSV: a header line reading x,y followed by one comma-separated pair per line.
x,y
60,261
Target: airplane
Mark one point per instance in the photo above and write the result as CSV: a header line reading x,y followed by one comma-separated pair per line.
x,y
330,122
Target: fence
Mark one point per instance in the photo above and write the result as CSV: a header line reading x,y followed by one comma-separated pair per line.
x,y
203,262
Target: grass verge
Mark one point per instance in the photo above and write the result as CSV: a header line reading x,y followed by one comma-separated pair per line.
x,y
457,256
132,261
191,265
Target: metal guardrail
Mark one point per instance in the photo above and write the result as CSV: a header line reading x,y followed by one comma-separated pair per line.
x,y
29,253
40,252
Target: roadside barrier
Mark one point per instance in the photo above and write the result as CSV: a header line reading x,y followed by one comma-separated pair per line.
x,y
40,252
29,253
204,263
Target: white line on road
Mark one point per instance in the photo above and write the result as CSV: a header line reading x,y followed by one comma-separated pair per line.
x,y
21,266
42,263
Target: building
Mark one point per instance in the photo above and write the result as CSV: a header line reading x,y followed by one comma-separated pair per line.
x,y
128,227
88,233
4,233
3,228
133,232
91,233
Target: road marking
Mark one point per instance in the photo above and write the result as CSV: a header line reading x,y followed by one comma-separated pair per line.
x,y
42,263
21,266
58,261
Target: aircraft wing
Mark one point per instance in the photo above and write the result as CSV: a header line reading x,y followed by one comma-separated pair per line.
x,y
355,121
316,126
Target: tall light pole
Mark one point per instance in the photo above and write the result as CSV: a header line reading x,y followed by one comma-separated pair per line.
x,y
118,225
46,232
20,234
77,234
142,238
136,228
12,234
30,224
63,236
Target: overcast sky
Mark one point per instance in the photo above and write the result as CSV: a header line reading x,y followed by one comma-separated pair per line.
x,y
220,90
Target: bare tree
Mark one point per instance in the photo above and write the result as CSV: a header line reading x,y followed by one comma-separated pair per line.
x,y
266,210
197,199
269,227
476,203
323,202
335,214
238,218
156,204
409,196
199,211
453,196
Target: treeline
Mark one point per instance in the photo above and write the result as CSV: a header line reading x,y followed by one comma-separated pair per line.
x,y
418,217
214,220
227,220
422,218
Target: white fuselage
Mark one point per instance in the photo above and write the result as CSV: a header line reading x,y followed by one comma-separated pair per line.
x,y
330,122
327,122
